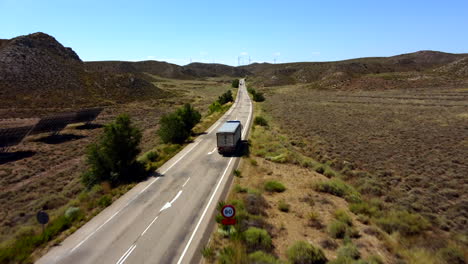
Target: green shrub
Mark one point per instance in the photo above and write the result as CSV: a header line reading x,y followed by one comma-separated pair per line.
x,y
240,189
176,127
225,98
226,256
189,116
339,188
152,156
258,97
404,222
215,107
374,259
337,229
342,216
113,158
320,169
253,162
283,206
73,213
260,257
349,250
329,173
235,83
303,252
105,201
237,173
260,121
451,255
257,239
364,208
208,253
274,186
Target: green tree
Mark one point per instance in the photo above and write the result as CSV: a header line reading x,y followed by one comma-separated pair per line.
x,y
235,83
226,97
176,127
113,157
172,129
190,117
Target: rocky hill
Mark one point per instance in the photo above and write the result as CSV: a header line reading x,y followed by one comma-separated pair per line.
x,y
369,73
167,70
37,71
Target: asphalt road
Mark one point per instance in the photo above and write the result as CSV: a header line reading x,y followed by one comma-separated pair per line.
x,y
164,219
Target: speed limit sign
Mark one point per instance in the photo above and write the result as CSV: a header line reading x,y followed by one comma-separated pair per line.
x,y
228,211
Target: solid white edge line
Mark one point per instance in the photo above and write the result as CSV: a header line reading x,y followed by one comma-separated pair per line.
x,y
84,240
204,212
152,222
125,256
148,186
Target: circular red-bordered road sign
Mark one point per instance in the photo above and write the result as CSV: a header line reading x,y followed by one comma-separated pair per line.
x,y
228,211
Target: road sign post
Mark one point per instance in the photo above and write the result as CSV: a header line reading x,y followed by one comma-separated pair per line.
x,y
228,212
43,218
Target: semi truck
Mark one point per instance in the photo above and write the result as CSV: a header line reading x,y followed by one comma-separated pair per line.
x,y
228,136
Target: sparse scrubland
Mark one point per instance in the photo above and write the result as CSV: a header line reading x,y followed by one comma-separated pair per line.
x,y
366,177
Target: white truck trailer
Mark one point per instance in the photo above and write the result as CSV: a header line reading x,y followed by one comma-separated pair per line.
x,y
229,136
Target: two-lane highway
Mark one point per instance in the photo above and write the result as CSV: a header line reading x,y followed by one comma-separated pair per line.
x,y
164,219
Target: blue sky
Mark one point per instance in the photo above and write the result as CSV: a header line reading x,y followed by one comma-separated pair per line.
x,y
221,31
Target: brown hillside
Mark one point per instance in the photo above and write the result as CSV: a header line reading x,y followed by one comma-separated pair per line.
x,y
167,70
37,71
403,70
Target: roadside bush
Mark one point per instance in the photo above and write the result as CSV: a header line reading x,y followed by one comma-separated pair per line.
x,y
258,97
257,239
274,186
190,117
105,201
260,121
404,222
152,156
226,97
302,252
113,158
240,189
208,253
235,83
215,107
226,256
339,188
176,127
73,213
260,257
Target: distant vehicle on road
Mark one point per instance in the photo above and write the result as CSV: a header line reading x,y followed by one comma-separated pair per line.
x,y
228,137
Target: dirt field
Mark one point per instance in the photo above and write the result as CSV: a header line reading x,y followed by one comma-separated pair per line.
x,y
45,172
411,145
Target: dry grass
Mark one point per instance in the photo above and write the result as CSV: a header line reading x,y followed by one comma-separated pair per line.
x,y
411,140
